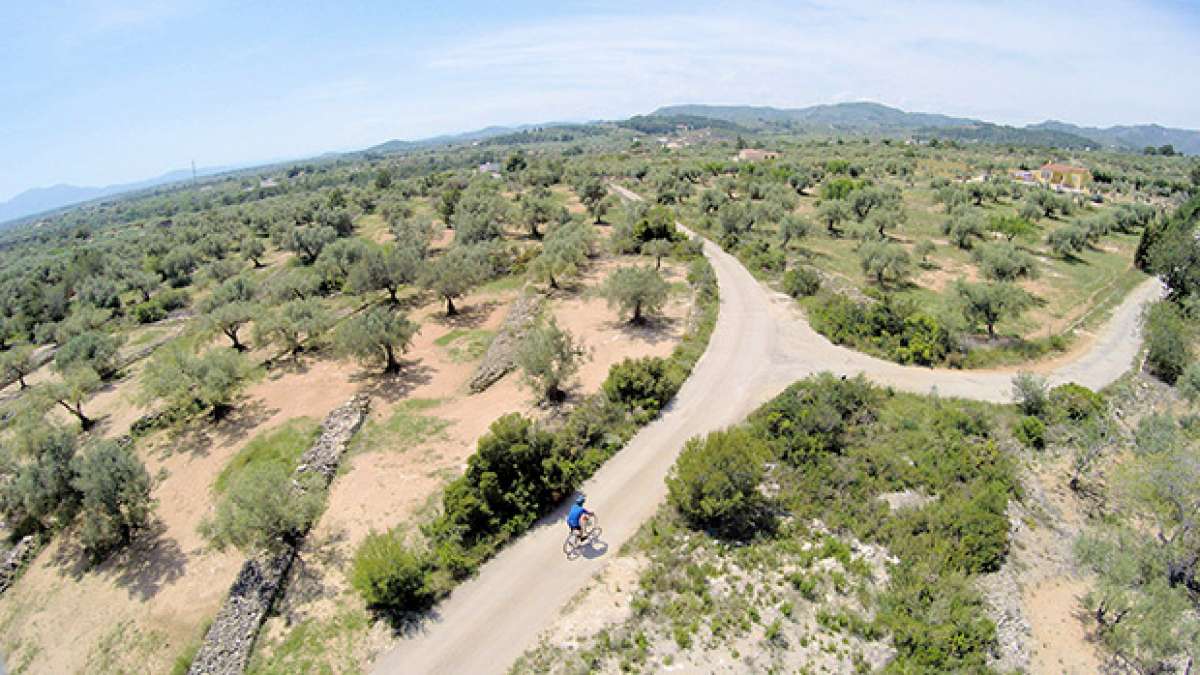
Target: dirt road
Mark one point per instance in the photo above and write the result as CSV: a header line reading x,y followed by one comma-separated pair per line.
x,y
760,345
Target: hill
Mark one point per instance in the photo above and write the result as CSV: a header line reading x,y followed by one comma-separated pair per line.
x,y
860,116
874,118
1133,137
40,200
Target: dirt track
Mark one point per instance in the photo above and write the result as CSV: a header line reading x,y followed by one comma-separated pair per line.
x,y
760,345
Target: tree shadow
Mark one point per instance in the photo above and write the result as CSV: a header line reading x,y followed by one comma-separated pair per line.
x,y
391,387
148,564
310,569
473,315
198,435
650,330
69,557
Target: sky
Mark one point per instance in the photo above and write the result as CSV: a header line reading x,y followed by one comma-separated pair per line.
x,y
96,93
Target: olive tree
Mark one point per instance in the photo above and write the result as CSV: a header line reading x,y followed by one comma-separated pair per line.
x,y
185,381
549,357
636,292
386,268
92,349
76,386
884,262
594,197
114,489
657,249
455,272
16,363
1005,262
262,511
293,325
833,212
1144,557
991,303
38,493
376,337
253,249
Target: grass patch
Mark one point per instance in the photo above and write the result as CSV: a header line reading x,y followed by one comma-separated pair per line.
x,y
466,344
314,646
512,282
187,655
283,445
406,428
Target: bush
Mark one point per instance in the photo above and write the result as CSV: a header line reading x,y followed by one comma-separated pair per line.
x,y
892,329
801,281
1189,383
1031,432
391,576
1168,348
811,418
1076,402
714,483
1031,394
148,312
506,485
643,385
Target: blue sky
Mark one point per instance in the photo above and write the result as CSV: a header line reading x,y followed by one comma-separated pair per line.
x,y
95,92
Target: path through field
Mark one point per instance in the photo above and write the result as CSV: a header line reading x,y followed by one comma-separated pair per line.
x,y
760,345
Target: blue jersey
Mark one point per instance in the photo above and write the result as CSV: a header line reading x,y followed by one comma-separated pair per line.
x,y
576,513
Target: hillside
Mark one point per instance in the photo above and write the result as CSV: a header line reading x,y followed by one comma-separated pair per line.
x,y
1133,137
42,199
874,118
860,116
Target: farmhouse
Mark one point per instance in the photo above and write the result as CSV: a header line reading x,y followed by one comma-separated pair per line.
x,y
755,155
1064,175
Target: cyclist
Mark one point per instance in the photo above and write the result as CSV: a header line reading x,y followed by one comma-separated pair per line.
x,y
577,513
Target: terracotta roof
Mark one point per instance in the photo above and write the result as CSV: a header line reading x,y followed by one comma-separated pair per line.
x,y
1064,168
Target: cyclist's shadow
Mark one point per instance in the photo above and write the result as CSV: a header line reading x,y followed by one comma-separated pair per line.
x,y
593,548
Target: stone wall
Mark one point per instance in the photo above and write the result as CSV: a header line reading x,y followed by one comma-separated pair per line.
x,y
230,639
501,357
15,559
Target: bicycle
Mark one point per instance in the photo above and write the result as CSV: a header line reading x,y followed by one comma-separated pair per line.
x,y
576,539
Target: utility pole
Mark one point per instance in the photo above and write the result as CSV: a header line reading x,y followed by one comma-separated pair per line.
x,y
193,172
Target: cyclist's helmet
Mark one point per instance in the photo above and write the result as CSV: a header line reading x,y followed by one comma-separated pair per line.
x,y
579,500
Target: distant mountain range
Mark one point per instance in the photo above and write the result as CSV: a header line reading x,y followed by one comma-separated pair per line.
x,y
39,200
868,118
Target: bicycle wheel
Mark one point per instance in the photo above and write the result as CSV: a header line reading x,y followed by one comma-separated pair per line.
x,y
571,545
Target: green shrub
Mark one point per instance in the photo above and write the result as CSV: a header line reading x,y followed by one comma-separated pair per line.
x,y
1031,394
148,312
1168,341
505,487
892,329
811,417
643,385
1076,402
714,483
938,621
801,281
161,305
1189,383
391,576
1031,432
